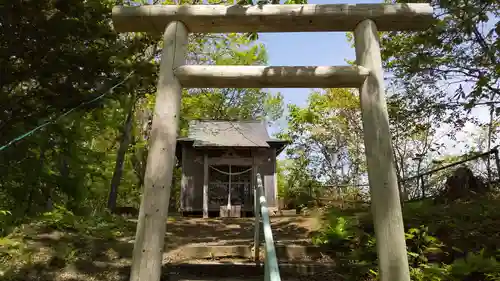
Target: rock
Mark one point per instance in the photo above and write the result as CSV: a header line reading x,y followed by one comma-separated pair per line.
x,y
463,184
126,211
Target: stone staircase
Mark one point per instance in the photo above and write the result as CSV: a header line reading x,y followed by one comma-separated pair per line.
x,y
250,272
221,249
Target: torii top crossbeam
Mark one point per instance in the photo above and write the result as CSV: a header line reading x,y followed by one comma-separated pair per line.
x,y
272,18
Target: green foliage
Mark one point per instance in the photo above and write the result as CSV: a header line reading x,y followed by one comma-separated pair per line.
x,y
4,220
476,263
280,169
326,141
434,239
71,163
59,218
337,232
55,55
101,225
420,244
64,54
463,45
229,104
58,238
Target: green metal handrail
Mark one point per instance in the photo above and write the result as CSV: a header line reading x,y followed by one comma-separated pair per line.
x,y
271,269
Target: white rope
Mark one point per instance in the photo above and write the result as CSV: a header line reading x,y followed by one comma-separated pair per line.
x,y
229,189
230,174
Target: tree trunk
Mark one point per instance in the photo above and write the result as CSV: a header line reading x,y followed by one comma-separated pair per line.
x,y
120,156
49,204
140,156
420,179
36,180
402,192
490,135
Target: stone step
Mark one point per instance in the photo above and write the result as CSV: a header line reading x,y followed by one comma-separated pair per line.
x,y
283,252
244,270
260,278
208,270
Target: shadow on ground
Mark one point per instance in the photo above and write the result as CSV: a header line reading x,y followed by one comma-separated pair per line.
x,y
235,231
103,252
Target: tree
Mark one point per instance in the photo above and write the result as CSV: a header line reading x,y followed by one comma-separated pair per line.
x,y
462,47
326,138
216,104
234,104
450,68
59,60
415,122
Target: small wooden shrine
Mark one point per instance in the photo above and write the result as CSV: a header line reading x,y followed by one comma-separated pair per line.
x,y
220,161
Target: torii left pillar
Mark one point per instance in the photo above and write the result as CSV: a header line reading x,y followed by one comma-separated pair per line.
x,y
151,226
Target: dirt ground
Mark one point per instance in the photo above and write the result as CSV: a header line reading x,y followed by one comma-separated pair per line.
x,y
235,231
185,233
64,256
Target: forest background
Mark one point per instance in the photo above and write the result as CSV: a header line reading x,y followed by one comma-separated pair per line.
x,y
76,106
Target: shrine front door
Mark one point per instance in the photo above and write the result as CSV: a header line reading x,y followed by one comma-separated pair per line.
x,y
229,186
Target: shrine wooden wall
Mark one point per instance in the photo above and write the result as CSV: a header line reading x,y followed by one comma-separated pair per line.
x,y
191,197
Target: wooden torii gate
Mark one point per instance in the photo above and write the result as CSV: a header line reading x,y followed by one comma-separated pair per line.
x,y
365,20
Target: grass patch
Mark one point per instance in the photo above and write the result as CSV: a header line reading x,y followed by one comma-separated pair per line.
x,y
456,241
60,240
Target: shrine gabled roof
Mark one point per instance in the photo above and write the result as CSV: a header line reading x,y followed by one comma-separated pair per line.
x,y
215,133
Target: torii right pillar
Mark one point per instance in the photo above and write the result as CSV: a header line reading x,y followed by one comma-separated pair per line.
x,y
386,208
